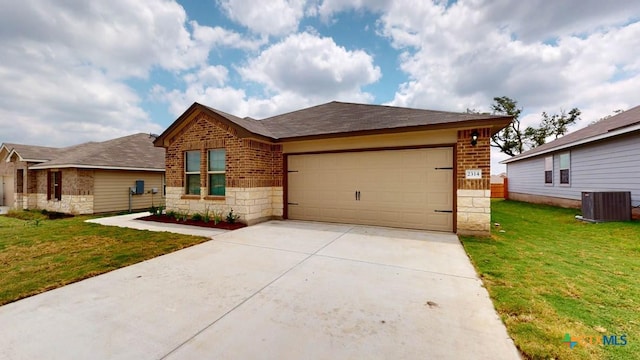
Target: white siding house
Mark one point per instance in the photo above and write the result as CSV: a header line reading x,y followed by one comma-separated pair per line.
x,y
604,156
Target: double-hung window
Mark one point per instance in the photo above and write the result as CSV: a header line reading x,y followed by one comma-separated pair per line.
x,y
565,166
548,170
192,172
216,172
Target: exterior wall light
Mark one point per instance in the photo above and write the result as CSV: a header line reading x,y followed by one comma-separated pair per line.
x,y
474,137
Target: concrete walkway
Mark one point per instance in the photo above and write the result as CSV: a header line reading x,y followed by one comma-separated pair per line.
x,y
277,290
129,221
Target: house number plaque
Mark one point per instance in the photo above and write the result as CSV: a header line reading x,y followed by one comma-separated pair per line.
x,y
473,174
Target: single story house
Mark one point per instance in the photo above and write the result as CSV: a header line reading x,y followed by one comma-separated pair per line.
x,y
336,162
604,156
93,177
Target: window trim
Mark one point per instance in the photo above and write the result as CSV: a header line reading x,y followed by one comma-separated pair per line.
x,y
216,172
54,185
568,168
187,173
546,169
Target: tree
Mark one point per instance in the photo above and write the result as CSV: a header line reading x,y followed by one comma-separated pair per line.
x,y
509,139
512,141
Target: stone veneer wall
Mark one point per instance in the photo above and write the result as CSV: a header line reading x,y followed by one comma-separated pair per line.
x,y
473,195
254,205
70,204
77,192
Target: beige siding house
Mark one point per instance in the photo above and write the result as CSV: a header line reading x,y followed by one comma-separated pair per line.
x,y
93,177
336,162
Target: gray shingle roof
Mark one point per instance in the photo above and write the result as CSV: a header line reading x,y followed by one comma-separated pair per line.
x,y
602,127
339,118
133,151
252,125
31,152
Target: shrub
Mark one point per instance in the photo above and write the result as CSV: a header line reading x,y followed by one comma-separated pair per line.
x,y
197,217
217,216
206,217
231,217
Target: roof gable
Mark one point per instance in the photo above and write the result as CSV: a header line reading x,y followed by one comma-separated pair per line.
x,y
622,123
336,119
29,153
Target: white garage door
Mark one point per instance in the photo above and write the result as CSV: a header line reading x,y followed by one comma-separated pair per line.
x,y
398,188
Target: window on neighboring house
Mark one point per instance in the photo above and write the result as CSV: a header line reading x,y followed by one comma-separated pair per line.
x,y
216,172
548,170
54,185
192,172
565,165
20,181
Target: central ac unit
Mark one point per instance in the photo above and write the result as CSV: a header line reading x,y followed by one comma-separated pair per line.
x,y
598,206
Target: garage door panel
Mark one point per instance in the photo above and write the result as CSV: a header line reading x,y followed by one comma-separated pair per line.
x,y
399,188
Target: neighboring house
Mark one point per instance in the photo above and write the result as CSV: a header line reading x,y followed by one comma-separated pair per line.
x,y
93,177
337,162
604,156
498,179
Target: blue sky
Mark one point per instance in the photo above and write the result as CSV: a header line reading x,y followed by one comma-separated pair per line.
x,y
89,71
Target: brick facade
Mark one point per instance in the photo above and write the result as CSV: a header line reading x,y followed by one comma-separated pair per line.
x,y
254,173
250,165
473,195
77,191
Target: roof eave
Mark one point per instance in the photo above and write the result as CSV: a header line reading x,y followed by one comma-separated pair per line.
x,y
607,135
496,124
95,167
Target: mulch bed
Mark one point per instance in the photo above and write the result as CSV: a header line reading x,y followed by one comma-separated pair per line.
x,y
171,220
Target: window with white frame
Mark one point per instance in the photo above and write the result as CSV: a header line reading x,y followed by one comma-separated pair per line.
x,y
565,166
548,170
192,172
216,172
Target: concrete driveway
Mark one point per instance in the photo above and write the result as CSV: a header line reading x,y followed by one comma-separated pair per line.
x,y
278,290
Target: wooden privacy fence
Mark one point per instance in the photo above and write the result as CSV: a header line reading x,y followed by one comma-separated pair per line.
x,y
500,191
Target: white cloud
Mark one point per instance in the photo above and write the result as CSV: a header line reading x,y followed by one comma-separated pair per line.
x,y
300,71
216,36
121,37
536,20
314,67
273,17
66,65
456,57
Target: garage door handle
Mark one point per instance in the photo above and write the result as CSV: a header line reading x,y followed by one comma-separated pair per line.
x,y
444,211
357,195
289,203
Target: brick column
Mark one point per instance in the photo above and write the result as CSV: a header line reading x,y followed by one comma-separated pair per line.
x,y
473,195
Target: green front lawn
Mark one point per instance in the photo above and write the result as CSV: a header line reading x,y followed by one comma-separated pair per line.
x,y
550,275
37,254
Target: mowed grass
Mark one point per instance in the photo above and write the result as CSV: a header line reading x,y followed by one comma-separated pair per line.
x,y
37,255
549,274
